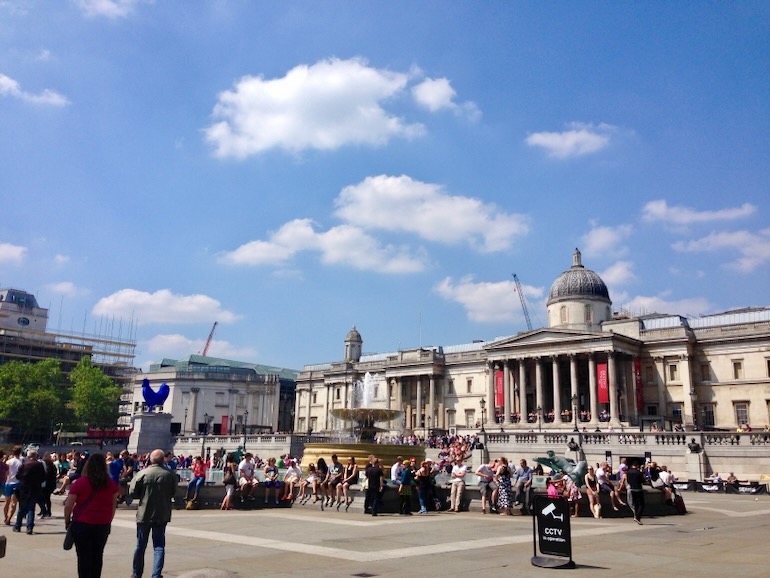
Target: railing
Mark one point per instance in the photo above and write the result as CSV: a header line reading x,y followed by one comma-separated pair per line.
x,y
682,439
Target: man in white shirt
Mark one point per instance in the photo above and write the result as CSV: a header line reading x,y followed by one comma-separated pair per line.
x,y
395,470
247,482
458,485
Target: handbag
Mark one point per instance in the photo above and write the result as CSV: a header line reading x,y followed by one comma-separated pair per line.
x,y
229,478
69,537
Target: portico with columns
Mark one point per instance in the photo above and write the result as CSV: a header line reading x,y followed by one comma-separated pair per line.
x,y
543,371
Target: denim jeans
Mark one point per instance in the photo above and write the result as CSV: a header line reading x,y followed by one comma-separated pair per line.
x,y
143,531
195,485
27,506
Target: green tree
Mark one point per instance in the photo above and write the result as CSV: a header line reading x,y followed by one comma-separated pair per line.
x,y
31,396
95,397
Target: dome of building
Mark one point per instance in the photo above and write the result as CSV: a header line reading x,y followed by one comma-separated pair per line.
x,y
353,335
577,282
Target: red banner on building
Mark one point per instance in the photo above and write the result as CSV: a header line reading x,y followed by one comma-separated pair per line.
x,y
602,383
499,389
638,385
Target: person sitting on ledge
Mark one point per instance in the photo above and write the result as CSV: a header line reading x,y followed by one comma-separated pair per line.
x,y
732,479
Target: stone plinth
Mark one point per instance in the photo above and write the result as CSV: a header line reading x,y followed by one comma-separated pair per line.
x,y
151,431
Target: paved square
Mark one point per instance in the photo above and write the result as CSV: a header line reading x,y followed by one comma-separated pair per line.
x,y
722,535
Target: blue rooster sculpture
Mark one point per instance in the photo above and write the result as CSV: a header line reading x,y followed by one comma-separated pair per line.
x,y
154,398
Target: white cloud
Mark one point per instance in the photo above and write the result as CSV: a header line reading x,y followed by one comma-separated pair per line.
x,y
619,273
754,248
578,140
66,288
486,302
112,9
323,106
176,346
10,87
61,260
642,305
12,254
603,241
437,94
678,215
402,204
342,245
163,306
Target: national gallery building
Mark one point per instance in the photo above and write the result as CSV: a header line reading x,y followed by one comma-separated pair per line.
x,y
589,368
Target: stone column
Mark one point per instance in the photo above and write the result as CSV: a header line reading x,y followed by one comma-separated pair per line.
x,y
506,393
419,403
194,409
660,364
327,415
539,384
490,393
573,382
688,391
432,402
612,385
592,397
556,389
276,404
523,410
309,403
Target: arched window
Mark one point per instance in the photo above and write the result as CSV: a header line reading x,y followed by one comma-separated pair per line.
x,y
589,314
563,315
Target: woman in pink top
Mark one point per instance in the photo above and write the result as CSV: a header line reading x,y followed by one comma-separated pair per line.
x,y
89,508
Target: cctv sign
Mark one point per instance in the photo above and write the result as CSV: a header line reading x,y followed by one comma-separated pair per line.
x,y
553,527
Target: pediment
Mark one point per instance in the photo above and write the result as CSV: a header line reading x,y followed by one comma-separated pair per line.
x,y
546,336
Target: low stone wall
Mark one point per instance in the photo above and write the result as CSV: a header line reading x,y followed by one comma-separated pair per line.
x,y
211,496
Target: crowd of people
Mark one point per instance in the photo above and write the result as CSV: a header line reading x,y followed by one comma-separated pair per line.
x,y
93,485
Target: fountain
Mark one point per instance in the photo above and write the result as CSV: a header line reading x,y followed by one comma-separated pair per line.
x,y
362,417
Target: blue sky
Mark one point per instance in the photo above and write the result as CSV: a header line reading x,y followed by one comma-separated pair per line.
x,y
292,169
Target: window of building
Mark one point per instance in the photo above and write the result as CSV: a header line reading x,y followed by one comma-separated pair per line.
x,y
649,374
469,385
708,415
673,372
390,391
676,411
741,412
314,423
470,418
652,410
767,362
705,372
451,384
301,424
563,314
376,392
737,369
337,394
315,398
220,398
241,399
589,314
450,416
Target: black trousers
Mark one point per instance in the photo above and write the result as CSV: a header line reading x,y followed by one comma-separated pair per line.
x,y
636,502
90,540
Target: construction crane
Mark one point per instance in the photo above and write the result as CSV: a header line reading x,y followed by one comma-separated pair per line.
x,y
208,341
523,302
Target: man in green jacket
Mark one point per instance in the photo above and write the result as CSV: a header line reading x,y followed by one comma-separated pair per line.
x,y
154,486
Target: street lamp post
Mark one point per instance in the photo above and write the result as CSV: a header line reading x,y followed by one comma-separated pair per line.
x,y
539,418
232,425
184,427
205,424
484,451
574,411
245,429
